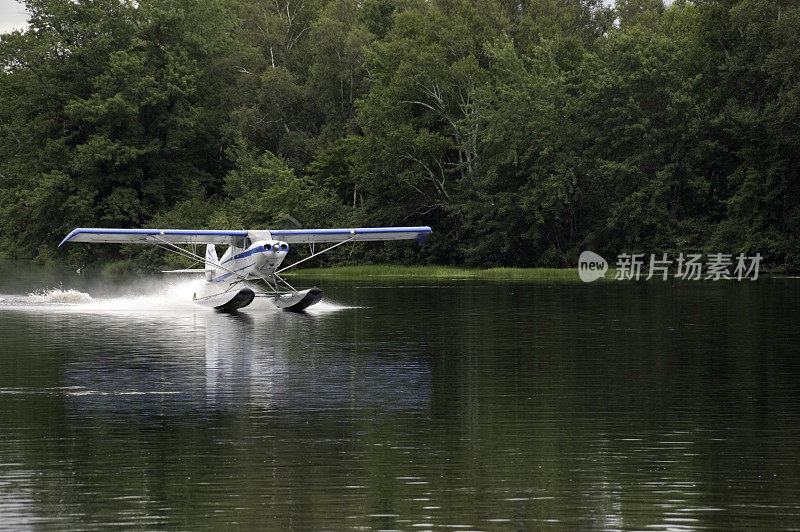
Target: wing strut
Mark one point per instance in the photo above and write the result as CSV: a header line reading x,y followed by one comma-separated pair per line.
x,y
174,248
315,255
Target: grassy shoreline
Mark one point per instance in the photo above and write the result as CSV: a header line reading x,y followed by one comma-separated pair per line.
x,y
442,273
436,272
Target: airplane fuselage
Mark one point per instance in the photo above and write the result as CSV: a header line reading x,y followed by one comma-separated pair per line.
x,y
259,259
256,260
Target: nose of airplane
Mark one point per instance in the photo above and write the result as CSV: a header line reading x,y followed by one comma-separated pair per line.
x,y
273,255
276,247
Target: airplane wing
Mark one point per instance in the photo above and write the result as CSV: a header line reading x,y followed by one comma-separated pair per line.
x,y
153,236
210,236
360,234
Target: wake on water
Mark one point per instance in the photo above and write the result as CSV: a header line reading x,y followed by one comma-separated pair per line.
x,y
170,295
56,295
144,296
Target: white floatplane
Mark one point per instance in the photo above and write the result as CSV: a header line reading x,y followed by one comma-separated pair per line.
x,y
253,258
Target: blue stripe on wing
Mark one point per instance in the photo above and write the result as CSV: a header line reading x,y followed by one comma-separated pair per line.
x,y
149,232
423,232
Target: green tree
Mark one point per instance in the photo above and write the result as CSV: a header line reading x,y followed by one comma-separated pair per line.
x,y
111,96
753,64
261,188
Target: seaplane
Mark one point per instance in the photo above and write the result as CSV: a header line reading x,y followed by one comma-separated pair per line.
x,y
250,267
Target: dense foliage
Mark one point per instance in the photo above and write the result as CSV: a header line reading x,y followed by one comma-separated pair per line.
x,y
522,131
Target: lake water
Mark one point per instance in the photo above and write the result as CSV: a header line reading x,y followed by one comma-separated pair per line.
x,y
463,406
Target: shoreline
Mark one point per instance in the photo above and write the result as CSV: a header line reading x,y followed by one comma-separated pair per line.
x,y
383,271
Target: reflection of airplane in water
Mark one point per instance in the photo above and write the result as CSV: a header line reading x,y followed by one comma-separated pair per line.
x,y
234,366
232,361
290,371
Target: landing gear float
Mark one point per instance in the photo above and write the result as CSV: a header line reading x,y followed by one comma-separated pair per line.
x,y
251,264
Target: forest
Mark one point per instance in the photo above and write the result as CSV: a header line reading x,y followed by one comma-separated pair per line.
x,y
522,131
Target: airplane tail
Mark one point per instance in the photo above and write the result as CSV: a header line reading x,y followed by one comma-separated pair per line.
x,y
211,257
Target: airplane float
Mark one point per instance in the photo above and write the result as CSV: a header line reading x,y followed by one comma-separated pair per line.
x,y
252,256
